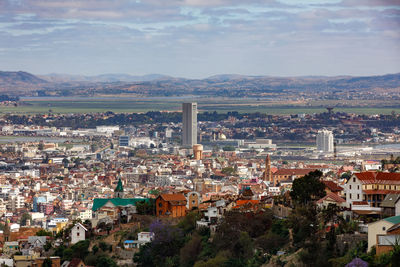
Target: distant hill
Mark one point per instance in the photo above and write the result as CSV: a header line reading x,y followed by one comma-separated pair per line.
x,y
227,85
19,81
54,77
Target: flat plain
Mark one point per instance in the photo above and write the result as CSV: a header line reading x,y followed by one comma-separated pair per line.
x,y
221,105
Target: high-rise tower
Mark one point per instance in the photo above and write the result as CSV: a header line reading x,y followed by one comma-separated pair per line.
x,y
325,141
189,119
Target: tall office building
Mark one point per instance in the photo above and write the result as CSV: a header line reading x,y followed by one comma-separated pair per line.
x,y
189,130
325,141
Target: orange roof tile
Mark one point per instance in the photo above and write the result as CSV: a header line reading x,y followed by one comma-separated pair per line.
x,y
173,197
332,196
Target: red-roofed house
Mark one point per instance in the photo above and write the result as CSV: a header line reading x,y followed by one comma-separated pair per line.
x,y
331,186
371,187
289,174
331,198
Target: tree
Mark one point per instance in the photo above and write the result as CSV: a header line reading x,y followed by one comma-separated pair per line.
x,y
145,208
47,262
25,218
308,188
189,253
41,146
65,161
105,261
228,170
43,232
80,249
228,148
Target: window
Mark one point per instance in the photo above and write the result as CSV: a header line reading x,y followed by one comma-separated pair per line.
x,y
350,187
77,234
350,196
384,228
160,212
354,179
358,187
358,196
160,204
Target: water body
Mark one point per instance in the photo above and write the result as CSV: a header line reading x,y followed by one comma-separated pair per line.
x,y
388,146
83,98
14,139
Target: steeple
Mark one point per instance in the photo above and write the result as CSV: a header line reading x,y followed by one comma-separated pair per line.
x,y
267,172
119,190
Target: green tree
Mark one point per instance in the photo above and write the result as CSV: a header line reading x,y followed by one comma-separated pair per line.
x,y
81,249
47,262
25,218
43,232
308,188
105,261
189,253
228,171
146,208
228,148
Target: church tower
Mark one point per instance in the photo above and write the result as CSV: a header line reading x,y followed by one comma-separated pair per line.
x,y
267,172
119,190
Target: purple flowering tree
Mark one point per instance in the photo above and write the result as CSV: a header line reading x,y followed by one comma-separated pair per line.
x,y
357,262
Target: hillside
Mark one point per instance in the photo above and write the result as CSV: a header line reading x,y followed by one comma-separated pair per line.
x,y
19,80
226,85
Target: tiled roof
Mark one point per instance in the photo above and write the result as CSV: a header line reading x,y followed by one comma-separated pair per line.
x,y
393,219
173,197
332,186
378,192
378,177
332,196
390,200
296,172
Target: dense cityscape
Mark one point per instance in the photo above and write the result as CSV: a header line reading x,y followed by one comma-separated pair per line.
x,y
200,133
151,189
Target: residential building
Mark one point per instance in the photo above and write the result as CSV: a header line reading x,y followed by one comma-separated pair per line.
x,y
78,233
371,187
380,227
171,205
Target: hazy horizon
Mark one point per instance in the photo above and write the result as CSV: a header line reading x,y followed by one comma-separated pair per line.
x,y
201,38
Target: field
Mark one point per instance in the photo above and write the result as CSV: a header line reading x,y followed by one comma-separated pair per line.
x,y
222,105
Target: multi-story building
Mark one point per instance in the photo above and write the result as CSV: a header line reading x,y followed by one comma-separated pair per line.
x,y
325,141
371,188
124,140
189,130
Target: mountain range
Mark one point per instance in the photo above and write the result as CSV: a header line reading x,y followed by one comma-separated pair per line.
x,y
25,84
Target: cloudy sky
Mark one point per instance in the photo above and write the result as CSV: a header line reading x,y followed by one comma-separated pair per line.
x,y
199,38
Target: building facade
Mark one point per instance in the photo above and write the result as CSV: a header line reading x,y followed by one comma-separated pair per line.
x,y
189,119
325,141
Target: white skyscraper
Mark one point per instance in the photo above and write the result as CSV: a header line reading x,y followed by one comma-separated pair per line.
x,y
189,119
325,141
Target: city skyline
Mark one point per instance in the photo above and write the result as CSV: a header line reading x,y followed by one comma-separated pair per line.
x,y
196,39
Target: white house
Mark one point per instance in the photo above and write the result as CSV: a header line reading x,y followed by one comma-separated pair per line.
x,y
143,238
353,190
78,233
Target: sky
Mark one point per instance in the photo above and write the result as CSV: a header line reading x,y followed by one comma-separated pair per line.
x,y
200,38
